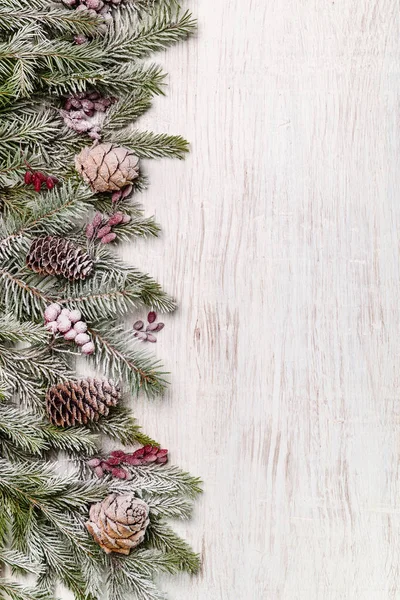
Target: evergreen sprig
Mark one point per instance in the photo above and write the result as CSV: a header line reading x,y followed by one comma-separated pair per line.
x,y
42,512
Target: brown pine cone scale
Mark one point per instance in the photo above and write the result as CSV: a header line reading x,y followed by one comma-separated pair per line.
x,y
107,167
77,402
57,256
118,523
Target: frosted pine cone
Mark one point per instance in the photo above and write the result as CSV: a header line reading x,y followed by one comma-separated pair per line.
x,y
118,523
106,167
78,402
56,256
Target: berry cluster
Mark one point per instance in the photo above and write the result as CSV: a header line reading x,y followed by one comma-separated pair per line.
x,y
147,335
80,108
101,7
114,464
69,323
101,227
38,179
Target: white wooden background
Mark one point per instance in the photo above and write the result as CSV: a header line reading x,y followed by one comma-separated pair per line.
x,y
281,240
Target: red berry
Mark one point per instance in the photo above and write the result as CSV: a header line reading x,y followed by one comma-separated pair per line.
x,y
37,184
151,317
41,176
28,177
118,453
162,452
50,183
113,461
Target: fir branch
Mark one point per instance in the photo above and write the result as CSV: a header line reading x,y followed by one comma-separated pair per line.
x,y
26,293
59,557
161,29
151,293
54,213
162,537
173,507
21,429
117,353
17,561
29,131
146,144
103,295
18,13
17,591
12,331
70,440
29,371
165,480
116,80
126,110
120,425
138,226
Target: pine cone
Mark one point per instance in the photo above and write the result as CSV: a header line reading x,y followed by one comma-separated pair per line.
x,y
57,256
118,523
106,167
76,402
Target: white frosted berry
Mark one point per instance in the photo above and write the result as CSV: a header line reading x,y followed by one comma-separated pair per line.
x,y
82,339
52,327
63,324
88,348
66,313
75,316
56,307
80,327
51,314
70,335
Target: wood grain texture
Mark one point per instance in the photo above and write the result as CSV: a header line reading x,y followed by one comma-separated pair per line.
x,y
281,240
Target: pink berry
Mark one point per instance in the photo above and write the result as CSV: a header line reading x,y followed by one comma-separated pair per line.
x,y
103,231
50,314
63,324
80,327
88,348
66,312
99,472
56,306
93,462
109,237
127,190
118,454
98,219
75,316
116,196
116,219
81,339
70,335
89,231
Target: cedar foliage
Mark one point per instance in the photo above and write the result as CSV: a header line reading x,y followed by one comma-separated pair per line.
x,y
42,512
